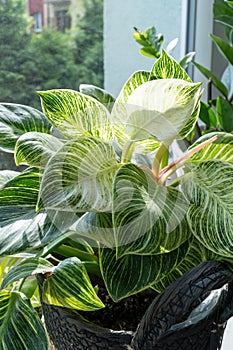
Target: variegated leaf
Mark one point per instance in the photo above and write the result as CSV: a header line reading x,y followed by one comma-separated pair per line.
x,y
15,120
160,109
221,149
166,67
26,268
79,176
7,175
97,227
75,114
133,273
21,227
99,94
20,325
209,188
35,149
69,285
196,254
148,218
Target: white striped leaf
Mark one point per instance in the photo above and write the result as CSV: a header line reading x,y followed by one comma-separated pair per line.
x,y
133,273
196,254
35,149
99,94
209,187
79,176
15,120
98,227
159,109
136,79
166,67
20,326
221,149
20,226
120,109
69,285
148,218
75,114
26,268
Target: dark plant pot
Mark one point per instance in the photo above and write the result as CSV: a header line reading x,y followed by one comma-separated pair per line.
x,y
186,316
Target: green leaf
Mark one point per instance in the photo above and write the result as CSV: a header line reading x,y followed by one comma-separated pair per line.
x,y
209,188
225,114
187,59
20,326
25,268
148,218
221,149
209,75
16,120
133,273
224,19
35,149
79,176
223,47
70,286
75,114
227,80
163,117
99,94
168,68
20,226
149,51
207,115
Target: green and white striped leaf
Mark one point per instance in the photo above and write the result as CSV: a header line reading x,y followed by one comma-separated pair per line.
x,y
133,273
166,67
20,326
75,114
160,109
21,227
79,176
7,175
35,149
136,79
15,120
196,254
221,149
70,286
148,218
99,94
119,111
98,227
209,188
26,268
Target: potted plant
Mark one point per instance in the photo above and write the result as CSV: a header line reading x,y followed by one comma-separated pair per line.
x,y
105,213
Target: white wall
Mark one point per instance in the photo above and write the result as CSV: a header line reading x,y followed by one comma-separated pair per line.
x,y
121,52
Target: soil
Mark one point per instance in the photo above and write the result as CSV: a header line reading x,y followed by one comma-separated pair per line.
x,y
123,315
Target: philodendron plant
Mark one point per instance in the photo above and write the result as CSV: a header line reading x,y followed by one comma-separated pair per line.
x,y
106,191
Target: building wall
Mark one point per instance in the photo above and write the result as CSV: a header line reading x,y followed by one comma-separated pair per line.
x,y
121,52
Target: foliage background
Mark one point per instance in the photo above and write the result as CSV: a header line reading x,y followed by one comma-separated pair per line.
x,y
30,62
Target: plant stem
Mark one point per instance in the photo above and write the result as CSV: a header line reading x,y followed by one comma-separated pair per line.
x,y
67,251
158,158
171,168
127,152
